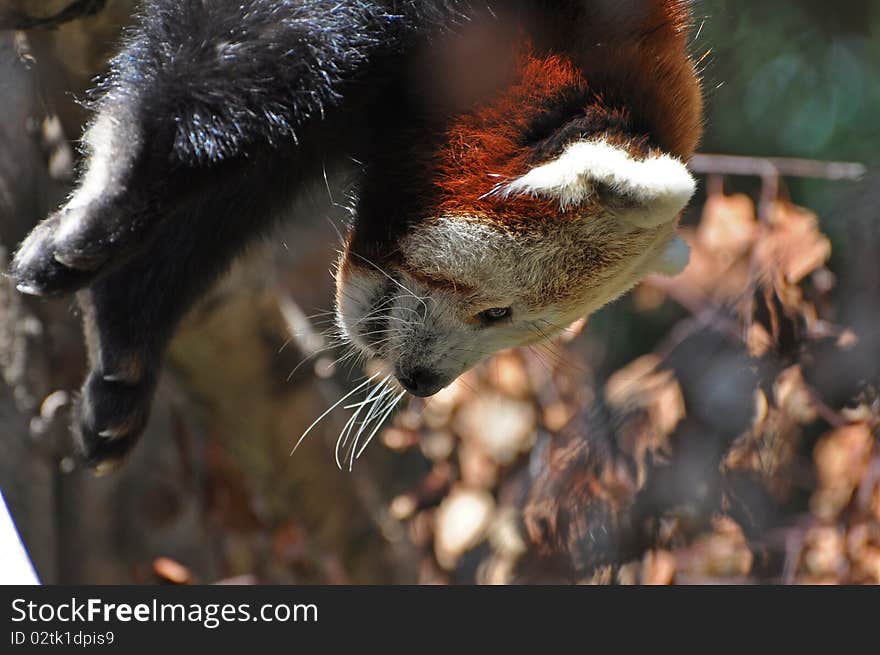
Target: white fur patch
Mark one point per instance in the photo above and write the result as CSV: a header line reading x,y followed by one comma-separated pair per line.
x,y
353,295
472,252
657,187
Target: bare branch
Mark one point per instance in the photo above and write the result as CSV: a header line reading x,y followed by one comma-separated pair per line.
x,y
13,19
776,166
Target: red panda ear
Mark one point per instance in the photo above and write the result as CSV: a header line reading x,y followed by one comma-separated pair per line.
x,y
651,191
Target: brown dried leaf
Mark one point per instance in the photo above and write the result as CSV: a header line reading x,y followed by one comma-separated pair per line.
x,y
723,553
728,227
172,571
399,439
503,427
824,553
758,340
437,445
557,415
658,568
719,266
793,397
507,373
478,469
863,549
847,339
461,523
652,402
631,385
790,247
794,246
578,506
768,449
841,458
403,507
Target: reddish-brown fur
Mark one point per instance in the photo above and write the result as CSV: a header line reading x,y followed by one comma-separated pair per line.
x,y
485,147
631,67
635,53
626,59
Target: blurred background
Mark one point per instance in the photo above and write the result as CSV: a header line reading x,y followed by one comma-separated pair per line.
x,y
718,426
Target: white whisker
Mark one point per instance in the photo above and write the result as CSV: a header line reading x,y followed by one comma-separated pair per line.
x,y
390,407
371,397
331,408
378,268
346,430
342,439
377,402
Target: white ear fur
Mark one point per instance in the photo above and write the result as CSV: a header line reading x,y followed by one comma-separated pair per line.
x,y
654,190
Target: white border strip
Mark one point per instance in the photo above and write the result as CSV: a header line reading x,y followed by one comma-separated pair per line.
x,y
15,565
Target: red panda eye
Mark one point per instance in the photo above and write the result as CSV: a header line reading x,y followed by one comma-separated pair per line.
x,y
494,315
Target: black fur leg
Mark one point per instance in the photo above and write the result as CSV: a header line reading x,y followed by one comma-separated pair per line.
x,y
131,311
207,125
129,314
125,340
104,221
75,245
88,237
110,415
197,86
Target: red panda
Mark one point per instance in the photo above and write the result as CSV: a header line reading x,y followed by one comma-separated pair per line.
x,y
522,164
541,204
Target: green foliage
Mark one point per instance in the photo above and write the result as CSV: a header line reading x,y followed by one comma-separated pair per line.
x,y
794,79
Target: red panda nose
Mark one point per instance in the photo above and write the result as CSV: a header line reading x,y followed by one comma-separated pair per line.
x,y
420,381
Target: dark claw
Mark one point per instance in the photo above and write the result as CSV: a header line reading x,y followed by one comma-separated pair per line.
x,y
37,272
109,418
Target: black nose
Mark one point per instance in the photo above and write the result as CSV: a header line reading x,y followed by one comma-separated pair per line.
x,y
420,381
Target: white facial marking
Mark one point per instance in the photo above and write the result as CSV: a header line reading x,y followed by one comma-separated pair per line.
x,y
470,251
353,303
424,328
658,187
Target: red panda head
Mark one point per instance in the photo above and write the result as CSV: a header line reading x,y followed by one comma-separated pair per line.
x,y
536,207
